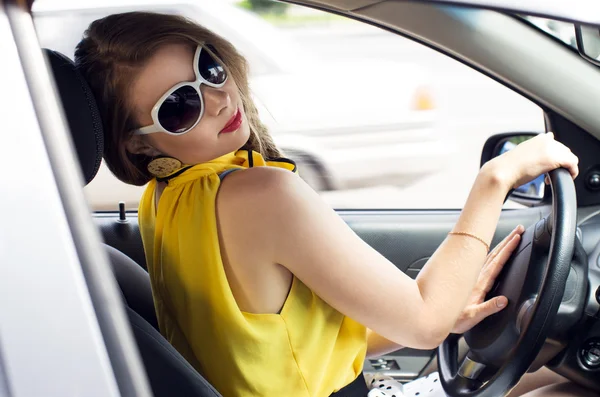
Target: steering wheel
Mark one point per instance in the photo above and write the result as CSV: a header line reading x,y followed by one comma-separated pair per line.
x,y
503,346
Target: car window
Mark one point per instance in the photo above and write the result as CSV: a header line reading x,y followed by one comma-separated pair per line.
x,y
374,120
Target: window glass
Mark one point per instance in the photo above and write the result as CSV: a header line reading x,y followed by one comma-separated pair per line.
x,y
374,120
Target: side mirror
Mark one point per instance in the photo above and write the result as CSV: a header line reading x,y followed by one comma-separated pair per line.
x,y
588,42
529,193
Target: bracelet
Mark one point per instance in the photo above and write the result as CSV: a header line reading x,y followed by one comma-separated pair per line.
x,y
487,246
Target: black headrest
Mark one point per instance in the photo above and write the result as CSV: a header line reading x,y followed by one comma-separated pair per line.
x,y
81,112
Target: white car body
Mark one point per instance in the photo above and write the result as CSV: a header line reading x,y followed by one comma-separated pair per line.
x,y
335,137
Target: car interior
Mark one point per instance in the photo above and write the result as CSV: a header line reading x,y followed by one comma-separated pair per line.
x,y
407,238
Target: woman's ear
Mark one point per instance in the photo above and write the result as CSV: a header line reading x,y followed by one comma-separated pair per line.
x,y
138,145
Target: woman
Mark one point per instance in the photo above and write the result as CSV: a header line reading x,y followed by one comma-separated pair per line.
x,y
260,285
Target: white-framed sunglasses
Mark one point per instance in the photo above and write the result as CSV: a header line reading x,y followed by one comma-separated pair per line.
x,y
182,106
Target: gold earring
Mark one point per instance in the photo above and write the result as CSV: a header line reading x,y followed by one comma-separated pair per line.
x,y
161,167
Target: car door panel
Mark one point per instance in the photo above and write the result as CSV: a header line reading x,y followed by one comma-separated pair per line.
x,y
408,238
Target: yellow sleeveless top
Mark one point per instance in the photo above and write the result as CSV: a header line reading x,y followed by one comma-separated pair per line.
x,y
308,349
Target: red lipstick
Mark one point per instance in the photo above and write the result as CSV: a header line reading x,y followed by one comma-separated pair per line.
x,y
234,123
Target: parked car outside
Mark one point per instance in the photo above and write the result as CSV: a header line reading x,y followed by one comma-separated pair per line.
x,y
389,125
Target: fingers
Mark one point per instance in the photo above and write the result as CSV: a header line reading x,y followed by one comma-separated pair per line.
x,y
573,166
488,308
516,231
474,314
570,162
565,157
493,269
494,265
546,154
508,245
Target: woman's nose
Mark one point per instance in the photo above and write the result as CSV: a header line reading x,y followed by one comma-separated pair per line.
x,y
215,100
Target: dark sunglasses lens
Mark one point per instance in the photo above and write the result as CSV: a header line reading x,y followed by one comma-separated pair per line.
x,y
180,111
210,69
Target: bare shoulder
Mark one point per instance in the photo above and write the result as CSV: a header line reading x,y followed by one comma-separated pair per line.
x,y
258,199
261,187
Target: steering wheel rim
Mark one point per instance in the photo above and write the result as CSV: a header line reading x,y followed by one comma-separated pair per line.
x,y
543,311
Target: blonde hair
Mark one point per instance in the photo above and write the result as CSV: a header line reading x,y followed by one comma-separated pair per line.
x,y
114,49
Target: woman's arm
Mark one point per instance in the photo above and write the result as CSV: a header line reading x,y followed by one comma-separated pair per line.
x,y
377,345
477,307
322,251
296,229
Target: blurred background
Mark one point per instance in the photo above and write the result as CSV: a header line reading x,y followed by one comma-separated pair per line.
x,y
373,120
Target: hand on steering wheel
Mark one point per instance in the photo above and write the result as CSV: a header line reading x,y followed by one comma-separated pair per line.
x,y
478,308
503,346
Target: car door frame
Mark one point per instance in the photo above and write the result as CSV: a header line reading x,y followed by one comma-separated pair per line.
x,y
63,322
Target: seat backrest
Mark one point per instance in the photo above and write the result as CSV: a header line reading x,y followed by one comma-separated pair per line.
x,y
134,283
168,372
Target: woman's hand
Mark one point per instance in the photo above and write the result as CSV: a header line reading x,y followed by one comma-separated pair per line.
x,y
532,158
476,309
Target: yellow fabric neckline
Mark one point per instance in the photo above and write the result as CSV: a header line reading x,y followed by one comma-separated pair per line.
x,y
239,159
